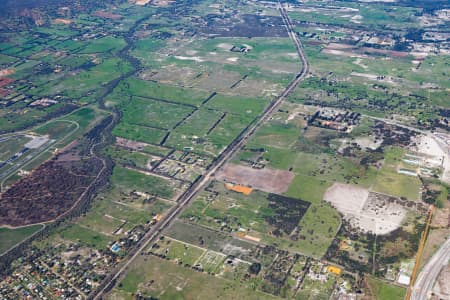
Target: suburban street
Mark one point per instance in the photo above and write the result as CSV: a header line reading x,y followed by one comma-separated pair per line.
x,y
430,272
233,148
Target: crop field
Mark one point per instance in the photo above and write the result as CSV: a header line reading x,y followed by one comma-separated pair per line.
x,y
85,81
105,44
153,113
336,182
168,115
139,133
237,105
200,123
227,130
154,90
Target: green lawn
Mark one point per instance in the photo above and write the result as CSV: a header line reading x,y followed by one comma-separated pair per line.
x,y
237,105
382,290
390,182
150,89
85,236
10,237
139,133
129,180
153,113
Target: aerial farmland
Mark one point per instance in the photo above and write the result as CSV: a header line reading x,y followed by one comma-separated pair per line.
x,y
224,149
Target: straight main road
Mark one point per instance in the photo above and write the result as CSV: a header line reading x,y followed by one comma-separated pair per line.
x,y
427,277
190,194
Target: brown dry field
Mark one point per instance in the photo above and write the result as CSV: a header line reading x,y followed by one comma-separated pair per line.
x,y
267,180
441,218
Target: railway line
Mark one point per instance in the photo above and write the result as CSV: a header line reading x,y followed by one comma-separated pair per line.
x,y
196,187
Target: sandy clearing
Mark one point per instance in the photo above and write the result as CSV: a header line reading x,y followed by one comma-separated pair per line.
x,y
367,142
225,46
367,211
342,53
292,55
233,59
436,154
194,58
356,19
338,46
346,198
139,2
268,180
365,75
191,52
427,145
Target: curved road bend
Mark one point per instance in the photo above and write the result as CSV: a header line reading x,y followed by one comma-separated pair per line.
x,y
430,272
185,199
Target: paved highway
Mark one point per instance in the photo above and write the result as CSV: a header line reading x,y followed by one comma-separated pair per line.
x,y
427,277
190,194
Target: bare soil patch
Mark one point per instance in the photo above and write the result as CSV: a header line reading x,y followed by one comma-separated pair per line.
x,y
268,180
366,211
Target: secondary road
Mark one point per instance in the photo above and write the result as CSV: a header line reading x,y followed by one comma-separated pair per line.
x,y
190,194
430,272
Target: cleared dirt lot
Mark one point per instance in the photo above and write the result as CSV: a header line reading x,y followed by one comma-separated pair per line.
x,y
267,180
366,211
